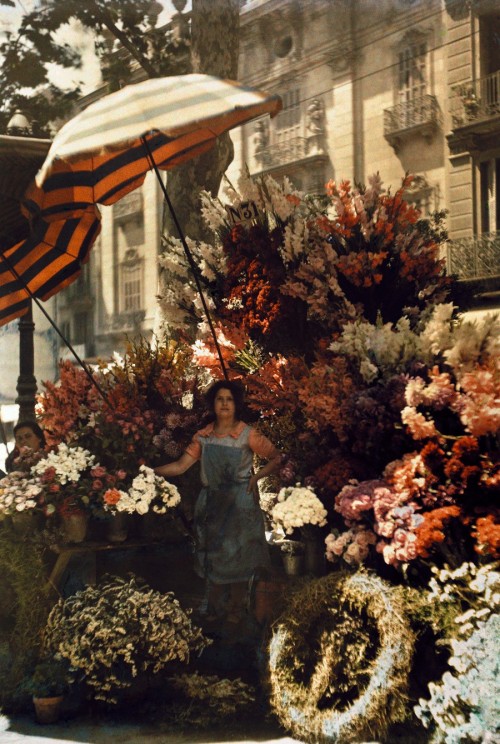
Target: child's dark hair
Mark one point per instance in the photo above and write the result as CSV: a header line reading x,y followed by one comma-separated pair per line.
x,y
235,388
35,428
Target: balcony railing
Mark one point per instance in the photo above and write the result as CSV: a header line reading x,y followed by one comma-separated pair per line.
x,y
282,153
476,257
418,116
476,101
125,322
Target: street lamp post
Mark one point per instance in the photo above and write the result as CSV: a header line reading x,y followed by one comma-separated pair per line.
x,y
26,387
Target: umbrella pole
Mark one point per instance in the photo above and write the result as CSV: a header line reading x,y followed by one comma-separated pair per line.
x,y
58,331
189,255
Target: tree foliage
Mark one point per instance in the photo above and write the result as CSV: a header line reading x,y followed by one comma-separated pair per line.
x,y
127,41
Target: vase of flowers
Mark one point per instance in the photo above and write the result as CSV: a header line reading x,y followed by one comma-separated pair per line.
x,y
119,632
292,553
117,526
148,494
74,525
21,499
314,551
297,507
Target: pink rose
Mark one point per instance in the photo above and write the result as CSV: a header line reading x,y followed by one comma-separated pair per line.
x,y
98,472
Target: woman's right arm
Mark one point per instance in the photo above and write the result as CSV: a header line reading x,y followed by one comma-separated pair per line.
x,y
176,468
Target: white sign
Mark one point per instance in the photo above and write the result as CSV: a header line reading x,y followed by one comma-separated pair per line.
x,y
246,212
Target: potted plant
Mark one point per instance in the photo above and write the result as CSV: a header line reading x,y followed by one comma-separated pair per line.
x,y
119,634
48,685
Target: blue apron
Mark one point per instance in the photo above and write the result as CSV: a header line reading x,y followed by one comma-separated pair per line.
x,y
229,526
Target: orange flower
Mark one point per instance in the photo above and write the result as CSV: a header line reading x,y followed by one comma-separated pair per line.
x,y
112,496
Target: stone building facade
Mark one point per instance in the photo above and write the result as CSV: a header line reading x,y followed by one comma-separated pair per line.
x,y
392,86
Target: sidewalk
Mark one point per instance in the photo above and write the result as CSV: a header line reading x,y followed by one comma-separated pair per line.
x,y
23,729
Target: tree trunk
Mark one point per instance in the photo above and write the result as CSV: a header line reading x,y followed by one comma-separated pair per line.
x,y
214,50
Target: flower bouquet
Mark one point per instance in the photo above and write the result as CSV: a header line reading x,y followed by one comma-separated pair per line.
x,y
119,631
19,493
148,492
298,506
68,482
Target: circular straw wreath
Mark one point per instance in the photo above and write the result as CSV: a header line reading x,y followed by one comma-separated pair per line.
x,y
340,658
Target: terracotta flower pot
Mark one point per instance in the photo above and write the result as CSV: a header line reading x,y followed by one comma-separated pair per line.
x,y
48,709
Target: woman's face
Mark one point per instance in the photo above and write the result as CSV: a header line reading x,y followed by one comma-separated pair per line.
x,y
25,437
224,407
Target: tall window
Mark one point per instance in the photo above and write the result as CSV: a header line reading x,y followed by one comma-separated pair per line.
x,y
131,287
80,328
411,71
490,195
287,122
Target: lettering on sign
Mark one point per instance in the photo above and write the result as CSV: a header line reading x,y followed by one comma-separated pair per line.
x,y
246,212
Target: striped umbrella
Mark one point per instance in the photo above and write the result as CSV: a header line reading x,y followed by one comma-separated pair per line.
x,y
105,151
46,262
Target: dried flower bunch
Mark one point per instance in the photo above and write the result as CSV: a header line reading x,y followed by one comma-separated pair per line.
x,y
339,659
211,697
112,632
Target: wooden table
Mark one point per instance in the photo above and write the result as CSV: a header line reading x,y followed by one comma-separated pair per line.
x,y
92,547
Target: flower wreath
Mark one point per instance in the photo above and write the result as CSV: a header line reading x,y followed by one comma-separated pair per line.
x,y
300,685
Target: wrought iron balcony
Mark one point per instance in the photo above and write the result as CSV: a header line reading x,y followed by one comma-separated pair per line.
x,y
476,257
477,101
282,153
125,322
419,116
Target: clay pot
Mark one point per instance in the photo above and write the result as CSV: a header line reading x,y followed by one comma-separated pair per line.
x,y
48,709
74,527
117,527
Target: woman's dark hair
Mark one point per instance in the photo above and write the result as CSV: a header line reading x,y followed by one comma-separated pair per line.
x,y
237,391
35,428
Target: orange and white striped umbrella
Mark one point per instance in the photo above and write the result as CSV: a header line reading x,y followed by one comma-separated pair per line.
x,y
46,262
100,155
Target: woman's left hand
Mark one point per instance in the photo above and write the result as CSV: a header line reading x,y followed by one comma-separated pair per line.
x,y
253,488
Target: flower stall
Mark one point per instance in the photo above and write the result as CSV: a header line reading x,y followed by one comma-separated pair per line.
x,y
386,403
